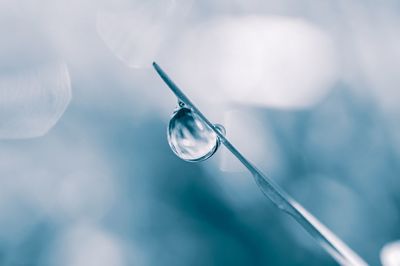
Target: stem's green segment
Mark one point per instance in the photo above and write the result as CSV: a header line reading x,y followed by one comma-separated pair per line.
x,y
328,240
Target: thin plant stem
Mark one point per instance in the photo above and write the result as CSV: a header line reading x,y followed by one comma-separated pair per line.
x,y
324,237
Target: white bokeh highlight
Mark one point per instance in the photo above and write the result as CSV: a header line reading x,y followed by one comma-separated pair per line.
x,y
260,60
86,244
135,31
32,102
255,141
390,254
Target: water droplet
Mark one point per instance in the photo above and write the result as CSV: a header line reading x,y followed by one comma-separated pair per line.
x,y
190,138
181,104
220,128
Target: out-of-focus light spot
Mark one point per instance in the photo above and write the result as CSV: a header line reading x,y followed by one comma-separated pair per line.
x,y
88,245
246,130
390,254
32,103
136,34
76,184
372,52
85,194
267,61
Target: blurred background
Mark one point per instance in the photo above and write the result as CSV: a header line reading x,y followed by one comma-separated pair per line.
x,y
308,90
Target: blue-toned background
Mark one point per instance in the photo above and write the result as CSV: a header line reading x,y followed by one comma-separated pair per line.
x,y
308,90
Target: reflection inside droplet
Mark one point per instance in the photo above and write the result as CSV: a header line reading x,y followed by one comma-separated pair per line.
x,y
190,138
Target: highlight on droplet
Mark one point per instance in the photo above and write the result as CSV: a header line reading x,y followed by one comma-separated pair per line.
x,y
32,102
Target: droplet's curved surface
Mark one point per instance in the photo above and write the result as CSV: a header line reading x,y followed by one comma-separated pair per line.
x,y
220,128
31,103
190,138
